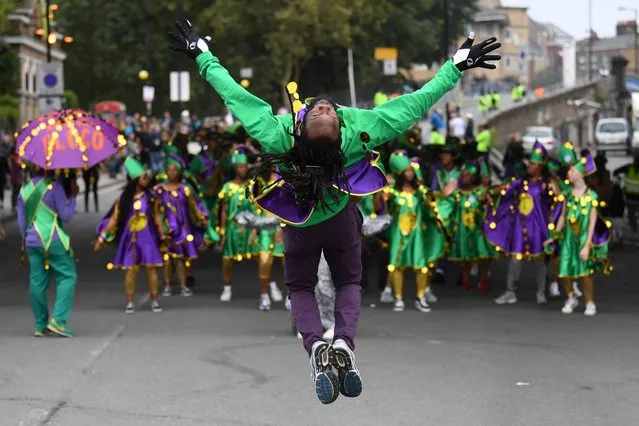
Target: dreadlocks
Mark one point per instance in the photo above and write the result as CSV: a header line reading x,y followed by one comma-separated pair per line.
x,y
311,167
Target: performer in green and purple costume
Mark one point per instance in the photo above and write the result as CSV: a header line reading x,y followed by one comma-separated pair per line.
x,y
43,207
328,159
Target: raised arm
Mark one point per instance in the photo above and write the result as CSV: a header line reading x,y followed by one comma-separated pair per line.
x,y
255,115
392,118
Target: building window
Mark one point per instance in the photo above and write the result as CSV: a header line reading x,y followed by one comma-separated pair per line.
x,y
594,59
26,82
582,59
507,35
508,62
34,88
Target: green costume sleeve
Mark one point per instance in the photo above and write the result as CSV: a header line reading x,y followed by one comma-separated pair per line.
x,y
255,115
391,119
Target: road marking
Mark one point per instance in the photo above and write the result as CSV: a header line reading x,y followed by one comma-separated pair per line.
x,y
98,352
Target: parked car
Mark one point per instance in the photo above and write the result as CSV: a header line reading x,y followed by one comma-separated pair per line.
x,y
612,134
545,135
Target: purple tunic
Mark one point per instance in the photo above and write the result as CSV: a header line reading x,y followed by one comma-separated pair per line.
x,y
56,200
181,208
139,243
519,224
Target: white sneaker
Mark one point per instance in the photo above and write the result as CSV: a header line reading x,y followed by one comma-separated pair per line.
x,y
386,296
226,294
299,336
541,299
130,308
287,304
508,297
570,305
155,306
591,310
167,291
575,289
186,292
474,270
329,334
399,305
276,294
265,302
422,305
430,296
554,289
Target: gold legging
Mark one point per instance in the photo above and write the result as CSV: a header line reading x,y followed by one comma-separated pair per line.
x,y
587,284
180,269
131,277
265,270
397,280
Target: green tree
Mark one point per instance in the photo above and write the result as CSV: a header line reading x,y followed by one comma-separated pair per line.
x,y
6,7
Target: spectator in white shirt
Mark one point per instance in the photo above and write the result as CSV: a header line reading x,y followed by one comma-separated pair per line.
x,y
457,126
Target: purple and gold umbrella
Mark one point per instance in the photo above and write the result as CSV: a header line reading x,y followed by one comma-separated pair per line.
x,y
67,139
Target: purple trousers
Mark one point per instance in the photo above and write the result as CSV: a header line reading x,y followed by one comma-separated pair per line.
x,y
340,237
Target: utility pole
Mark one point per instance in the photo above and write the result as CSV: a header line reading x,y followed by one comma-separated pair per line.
x,y
590,41
48,21
446,43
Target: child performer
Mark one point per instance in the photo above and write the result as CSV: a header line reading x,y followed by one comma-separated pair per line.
x,y
270,243
233,199
417,236
463,213
186,218
327,161
518,226
135,225
582,236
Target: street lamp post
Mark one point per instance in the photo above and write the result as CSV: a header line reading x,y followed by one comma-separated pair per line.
x,y
630,9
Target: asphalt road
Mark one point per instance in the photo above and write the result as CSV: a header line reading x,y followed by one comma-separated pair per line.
x,y
200,362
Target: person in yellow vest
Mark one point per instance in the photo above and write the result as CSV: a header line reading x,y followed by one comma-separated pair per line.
x,y
496,100
518,92
484,102
43,206
380,97
436,138
631,189
484,140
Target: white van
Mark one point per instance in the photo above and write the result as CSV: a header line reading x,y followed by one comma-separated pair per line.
x,y
612,134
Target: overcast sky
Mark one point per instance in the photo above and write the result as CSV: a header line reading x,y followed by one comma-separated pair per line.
x,y
572,15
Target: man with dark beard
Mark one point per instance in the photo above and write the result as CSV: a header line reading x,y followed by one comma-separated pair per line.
x,y
327,160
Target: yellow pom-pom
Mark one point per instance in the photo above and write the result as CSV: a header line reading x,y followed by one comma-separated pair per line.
x,y
602,204
561,198
391,268
424,270
187,264
608,224
492,225
518,256
551,226
109,266
190,238
166,257
137,205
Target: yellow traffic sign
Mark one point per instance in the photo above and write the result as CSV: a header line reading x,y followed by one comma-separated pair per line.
x,y
385,53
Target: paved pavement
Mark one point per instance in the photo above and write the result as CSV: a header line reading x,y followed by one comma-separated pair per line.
x,y
201,362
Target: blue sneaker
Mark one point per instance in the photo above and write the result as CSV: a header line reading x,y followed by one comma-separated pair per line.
x,y
324,379
350,381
